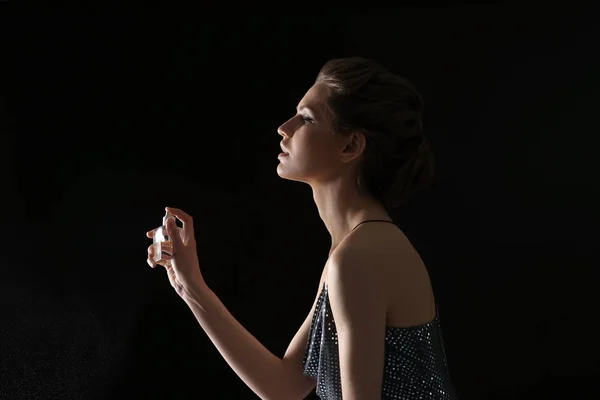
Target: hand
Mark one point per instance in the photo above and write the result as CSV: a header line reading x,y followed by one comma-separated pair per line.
x,y
182,266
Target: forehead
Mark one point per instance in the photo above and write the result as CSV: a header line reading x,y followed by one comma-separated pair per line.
x,y
315,98
317,92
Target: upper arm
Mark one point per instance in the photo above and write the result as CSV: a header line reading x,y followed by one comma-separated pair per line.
x,y
359,310
295,353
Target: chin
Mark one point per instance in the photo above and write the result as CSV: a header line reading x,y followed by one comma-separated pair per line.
x,y
288,175
283,173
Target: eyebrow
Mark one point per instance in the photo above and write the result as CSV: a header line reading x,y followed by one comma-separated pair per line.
x,y
311,110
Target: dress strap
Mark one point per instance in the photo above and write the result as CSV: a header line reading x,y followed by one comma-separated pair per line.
x,y
374,220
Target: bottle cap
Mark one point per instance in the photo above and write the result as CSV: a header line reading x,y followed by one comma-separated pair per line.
x,y
166,217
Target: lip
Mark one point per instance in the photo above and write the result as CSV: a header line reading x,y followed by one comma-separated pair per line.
x,y
284,149
282,155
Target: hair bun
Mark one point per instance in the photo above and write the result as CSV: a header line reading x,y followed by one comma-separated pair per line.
x,y
412,177
388,109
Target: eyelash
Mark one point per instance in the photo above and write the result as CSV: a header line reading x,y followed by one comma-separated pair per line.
x,y
307,119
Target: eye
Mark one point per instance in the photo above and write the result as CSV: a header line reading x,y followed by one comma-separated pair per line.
x,y
307,119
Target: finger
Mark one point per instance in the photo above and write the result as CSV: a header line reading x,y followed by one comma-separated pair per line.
x,y
151,251
165,261
186,220
174,235
151,262
150,234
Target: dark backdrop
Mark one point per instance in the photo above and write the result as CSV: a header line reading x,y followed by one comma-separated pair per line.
x,y
108,115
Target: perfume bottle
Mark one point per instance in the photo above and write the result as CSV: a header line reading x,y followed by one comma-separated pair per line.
x,y
162,242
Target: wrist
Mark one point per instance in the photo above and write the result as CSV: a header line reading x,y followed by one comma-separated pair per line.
x,y
196,292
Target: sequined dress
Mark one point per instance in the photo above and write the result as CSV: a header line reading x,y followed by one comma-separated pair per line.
x,y
415,359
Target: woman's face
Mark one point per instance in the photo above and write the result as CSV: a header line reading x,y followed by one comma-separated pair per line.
x,y
314,153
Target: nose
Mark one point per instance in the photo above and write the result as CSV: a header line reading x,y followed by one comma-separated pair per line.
x,y
285,129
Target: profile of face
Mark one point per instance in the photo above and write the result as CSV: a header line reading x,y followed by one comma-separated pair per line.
x,y
315,154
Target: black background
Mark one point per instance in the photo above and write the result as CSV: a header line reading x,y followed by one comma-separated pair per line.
x,y
108,115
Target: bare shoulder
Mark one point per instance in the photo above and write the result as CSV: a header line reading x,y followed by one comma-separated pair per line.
x,y
384,240
373,248
382,258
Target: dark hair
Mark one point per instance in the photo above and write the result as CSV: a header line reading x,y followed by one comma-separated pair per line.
x,y
365,97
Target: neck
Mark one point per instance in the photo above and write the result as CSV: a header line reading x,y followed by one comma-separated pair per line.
x,y
342,207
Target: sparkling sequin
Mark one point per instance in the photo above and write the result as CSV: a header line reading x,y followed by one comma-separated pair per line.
x,y
415,359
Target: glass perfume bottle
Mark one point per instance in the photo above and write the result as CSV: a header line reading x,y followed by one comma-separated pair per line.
x,y
162,242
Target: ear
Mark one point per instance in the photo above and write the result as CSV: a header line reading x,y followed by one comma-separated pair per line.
x,y
355,146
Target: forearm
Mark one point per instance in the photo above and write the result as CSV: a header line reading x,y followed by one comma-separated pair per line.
x,y
260,369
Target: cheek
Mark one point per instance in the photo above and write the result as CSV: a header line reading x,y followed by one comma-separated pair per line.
x,y
311,152
313,146
320,159
324,150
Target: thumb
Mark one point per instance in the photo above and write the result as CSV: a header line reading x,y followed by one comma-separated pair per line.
x,y
174,234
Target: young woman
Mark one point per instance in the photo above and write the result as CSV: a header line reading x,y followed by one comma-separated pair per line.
x,y
373,330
